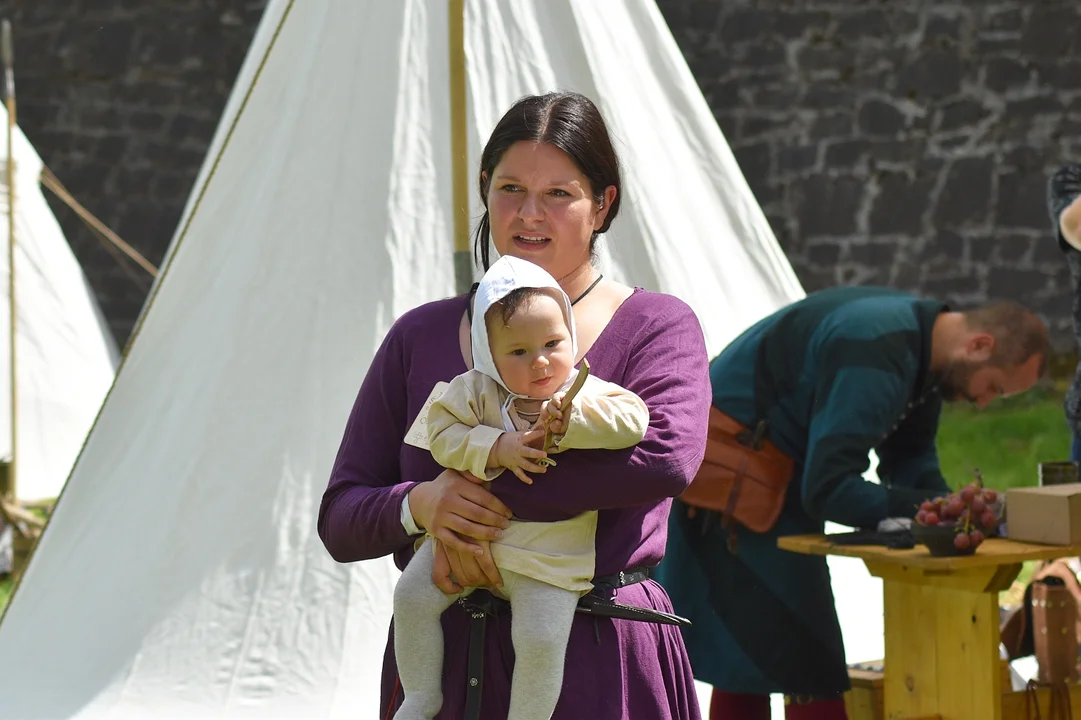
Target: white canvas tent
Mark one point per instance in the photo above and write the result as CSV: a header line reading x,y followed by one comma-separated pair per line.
x,y
181,574
65,355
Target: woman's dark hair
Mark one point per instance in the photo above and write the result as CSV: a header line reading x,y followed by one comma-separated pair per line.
x,y
568,121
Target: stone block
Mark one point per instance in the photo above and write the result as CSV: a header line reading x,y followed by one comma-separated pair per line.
x,y
960,115
783,96
823,96
1002,21
1006,282
948,288
869,23
1046,249
942,30
933,73
945,248
828,205
1013,251
823,254
879,254
1051,31
746,24
790,24
846,154
1058,74
900,204
830,125
1005,74
965,197
854,274
771,54
796,158
879,118
1030,108
814,58
758,126
978,247
1021,201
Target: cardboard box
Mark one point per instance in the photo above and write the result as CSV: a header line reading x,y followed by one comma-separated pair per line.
x,y
1050,514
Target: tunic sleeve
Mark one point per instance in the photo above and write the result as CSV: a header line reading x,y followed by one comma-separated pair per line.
x,y
604,416
909,458
457,435
360,514
667,367
862,389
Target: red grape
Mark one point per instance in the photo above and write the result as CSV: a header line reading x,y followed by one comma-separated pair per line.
x,y
976,538
955,508
927,506
967,494
987,519
978,505
990,496
930,519
961,541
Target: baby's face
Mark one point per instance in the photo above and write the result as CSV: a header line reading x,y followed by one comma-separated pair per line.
x,y
532,351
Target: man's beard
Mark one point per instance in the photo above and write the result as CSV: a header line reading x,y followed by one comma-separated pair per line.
x,y
953,384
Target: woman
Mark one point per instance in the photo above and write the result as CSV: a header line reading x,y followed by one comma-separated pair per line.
x,y
550,183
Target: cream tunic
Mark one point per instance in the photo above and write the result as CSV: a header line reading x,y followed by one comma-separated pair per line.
x,y
463,425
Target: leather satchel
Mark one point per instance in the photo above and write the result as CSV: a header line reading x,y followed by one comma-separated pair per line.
x,y
1054,637
743,476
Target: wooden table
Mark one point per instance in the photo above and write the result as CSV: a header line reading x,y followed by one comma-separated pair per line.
x,y
941,622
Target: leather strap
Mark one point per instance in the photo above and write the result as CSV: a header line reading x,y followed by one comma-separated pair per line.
x,y
623,578
481,603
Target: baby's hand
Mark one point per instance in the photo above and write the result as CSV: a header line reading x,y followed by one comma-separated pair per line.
x,y
552,412
514,452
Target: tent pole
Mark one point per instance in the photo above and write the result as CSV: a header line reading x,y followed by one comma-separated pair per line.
x,y
459,146
8,487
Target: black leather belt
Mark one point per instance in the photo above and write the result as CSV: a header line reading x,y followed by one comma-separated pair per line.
x,y
481,604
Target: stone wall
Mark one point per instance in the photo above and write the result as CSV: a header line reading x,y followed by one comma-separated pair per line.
x,y
121,99
906,144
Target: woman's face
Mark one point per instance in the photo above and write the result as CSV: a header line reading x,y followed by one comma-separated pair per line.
x,y
541,208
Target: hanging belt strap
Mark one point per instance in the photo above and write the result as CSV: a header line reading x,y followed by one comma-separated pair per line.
x,y
481,603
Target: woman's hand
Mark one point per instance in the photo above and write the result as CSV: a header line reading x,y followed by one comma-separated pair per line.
x,y
456,506
467,569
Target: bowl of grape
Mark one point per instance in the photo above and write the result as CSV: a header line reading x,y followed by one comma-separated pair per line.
x,y
958,523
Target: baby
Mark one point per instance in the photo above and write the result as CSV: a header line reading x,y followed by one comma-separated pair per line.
x,y
524,346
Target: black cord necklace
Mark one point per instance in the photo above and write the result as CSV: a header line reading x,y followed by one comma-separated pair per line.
x,y
588,289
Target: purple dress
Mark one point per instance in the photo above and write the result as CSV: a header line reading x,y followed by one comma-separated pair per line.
x,y
615,669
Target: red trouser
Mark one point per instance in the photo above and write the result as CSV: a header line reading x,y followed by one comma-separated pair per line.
x,y
736,706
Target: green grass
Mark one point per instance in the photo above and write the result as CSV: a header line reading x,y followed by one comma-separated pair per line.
x,y
5,592
1006,441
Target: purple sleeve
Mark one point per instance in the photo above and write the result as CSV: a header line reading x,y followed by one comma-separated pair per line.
x,y
360,515
667,366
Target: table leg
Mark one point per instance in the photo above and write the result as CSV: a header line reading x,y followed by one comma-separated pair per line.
x,y
942,641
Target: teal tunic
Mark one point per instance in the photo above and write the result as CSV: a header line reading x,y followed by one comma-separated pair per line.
x,y
837,374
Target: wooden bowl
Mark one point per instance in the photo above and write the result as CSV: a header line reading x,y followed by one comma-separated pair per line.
x,y
939,539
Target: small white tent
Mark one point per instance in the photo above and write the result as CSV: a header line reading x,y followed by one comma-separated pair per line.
x,y
187,530
65,355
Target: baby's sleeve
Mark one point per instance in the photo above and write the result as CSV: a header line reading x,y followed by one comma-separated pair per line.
x,y
604,416
457,435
